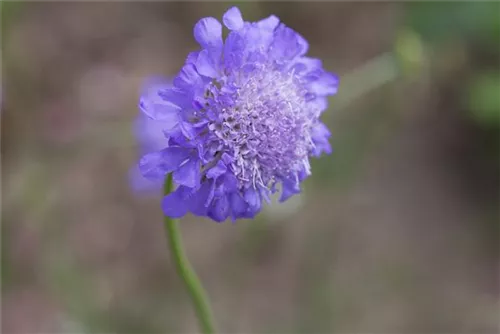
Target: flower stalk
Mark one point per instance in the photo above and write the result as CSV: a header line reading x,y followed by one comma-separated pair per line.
x,y
186,271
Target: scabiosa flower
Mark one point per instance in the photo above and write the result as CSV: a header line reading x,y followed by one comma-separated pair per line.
x,y
240,119
150,136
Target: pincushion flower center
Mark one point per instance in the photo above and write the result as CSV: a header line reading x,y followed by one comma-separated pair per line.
x,y
267,125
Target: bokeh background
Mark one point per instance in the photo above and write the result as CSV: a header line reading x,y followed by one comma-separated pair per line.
x,y
396,232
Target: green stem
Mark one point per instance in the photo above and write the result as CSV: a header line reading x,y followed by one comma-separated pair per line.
x,y
185,271
371,75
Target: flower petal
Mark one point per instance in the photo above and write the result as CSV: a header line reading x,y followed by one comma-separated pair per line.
x,y
166,112
188,174
320,135
192,56
205,64
142,185
211,194
238,206
157,164
150,133
232,19
197,201
219,210
217,170
154,105
150,166
253,200
187,77
174,204
269,23
290,188
234,48
176,96
322,83
287,44
320,103
230,183
208,32
307,64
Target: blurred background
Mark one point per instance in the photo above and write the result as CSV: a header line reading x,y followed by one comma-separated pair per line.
x,y
396,232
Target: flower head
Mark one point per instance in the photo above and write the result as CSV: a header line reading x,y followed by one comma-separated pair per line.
x,y
240,119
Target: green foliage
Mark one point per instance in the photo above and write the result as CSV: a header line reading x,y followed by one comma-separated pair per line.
x,y
410,51
441,21
484,100
8,12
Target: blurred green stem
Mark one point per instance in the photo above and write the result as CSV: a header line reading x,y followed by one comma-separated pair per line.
x,y
367,77
185,270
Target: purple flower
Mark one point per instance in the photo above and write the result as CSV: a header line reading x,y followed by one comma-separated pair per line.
x,y
239,121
